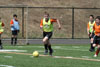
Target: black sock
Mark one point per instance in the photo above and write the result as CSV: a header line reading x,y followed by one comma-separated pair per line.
x,y
50,49
1,47
92,46
16,40
0,42
46,46
12,40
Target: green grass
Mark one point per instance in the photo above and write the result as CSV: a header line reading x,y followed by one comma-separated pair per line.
x,y
77,51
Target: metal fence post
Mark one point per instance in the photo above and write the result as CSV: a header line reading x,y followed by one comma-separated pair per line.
x,y
22,22
72,23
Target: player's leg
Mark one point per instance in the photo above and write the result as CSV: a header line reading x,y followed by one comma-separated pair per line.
x,y
16,33
15,40
90,41
98,47
96,42
12,38
92,38
15,37
45,44
97,51
1,47
49,44
92,48
94,45
50,48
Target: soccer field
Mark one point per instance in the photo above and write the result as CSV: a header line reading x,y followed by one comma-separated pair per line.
x,y
64,56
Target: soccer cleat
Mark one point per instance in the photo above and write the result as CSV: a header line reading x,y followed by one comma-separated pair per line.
x,y
50,53
1,47
95,55
46,52
11,43
15,43
91,50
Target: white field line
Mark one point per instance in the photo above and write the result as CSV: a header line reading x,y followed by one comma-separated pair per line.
x,y
12,50
63,48
6,66
78,48
8,56
75,47
40,51
85,57
31,46
75,58
69,49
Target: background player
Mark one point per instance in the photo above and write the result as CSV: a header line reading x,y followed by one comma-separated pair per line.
x,y
47,26
1,31
96,41
90,31
14,28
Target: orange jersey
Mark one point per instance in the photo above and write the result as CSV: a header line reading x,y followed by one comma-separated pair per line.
x,y
96,28
11,22
88,26
52,20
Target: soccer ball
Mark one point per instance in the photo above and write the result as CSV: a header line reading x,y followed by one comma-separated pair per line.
x,y
35,53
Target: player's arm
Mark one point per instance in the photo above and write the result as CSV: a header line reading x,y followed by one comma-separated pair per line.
x,y
93,29
56,20
11,23
41,24
59,25
88,29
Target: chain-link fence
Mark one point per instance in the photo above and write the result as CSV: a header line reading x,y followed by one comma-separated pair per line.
x,y
6,15
73,21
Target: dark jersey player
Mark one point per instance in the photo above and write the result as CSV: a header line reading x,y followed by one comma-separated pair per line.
x,y
96,41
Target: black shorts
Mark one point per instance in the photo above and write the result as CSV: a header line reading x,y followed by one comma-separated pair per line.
x,y
92,36
15,32
47,34
96,40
